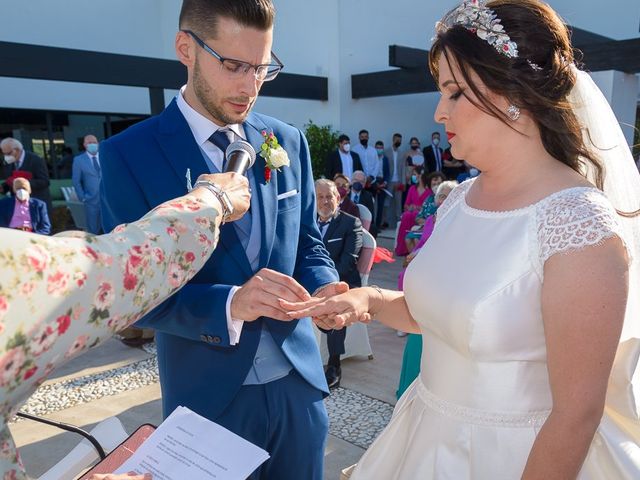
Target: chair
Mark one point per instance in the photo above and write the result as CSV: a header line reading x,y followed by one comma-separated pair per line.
x,y
356,342
365,216
365,259
76,207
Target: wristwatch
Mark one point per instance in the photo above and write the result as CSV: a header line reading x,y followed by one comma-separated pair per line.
x,y
221,195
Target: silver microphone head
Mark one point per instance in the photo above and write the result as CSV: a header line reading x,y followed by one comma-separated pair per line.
x,y
241,145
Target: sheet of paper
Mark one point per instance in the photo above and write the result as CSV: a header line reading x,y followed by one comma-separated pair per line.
x,y
187,445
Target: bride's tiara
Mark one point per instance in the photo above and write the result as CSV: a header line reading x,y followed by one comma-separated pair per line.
x,y
482,21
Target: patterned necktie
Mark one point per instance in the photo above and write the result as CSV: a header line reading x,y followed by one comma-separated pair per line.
x,y
438,159
96,165
220,139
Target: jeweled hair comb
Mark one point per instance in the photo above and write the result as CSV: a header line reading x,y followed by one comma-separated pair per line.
x,y
482,21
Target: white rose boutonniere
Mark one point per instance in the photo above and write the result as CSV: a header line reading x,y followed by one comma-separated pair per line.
x,y
274,155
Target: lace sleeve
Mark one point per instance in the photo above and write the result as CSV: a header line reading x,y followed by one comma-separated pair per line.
x,y
455,196
574,219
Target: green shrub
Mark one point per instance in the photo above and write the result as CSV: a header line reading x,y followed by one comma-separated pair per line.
x,y
322,140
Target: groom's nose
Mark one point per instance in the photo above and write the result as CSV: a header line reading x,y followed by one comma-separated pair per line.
x,y
249,85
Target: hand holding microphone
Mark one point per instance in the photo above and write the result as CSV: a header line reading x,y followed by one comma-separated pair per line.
x,y
232,187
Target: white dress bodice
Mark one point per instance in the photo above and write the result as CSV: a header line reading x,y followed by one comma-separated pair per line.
x,y
475,290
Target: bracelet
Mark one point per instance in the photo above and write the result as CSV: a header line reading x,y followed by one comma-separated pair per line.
x,y
379,290
221,195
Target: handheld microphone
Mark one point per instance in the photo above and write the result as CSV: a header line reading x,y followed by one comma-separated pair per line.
x,y
240,157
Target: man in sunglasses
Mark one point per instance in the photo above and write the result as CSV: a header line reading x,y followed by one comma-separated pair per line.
x,y
226,347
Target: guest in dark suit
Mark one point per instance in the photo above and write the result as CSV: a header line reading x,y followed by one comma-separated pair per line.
x,y
363,197
342,237
23,212
17,158
344,189
342,160
433,154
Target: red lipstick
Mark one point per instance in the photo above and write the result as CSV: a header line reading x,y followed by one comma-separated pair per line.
x,y
450,135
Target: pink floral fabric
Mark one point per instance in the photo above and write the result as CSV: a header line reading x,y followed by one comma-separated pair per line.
x,y
62,295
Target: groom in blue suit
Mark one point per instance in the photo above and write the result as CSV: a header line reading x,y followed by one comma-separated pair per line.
x,y
226,347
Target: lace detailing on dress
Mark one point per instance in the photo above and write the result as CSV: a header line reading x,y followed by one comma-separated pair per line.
x,y
573,219
480,417
455,196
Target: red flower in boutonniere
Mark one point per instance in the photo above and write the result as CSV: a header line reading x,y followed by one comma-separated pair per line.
x,y
274,155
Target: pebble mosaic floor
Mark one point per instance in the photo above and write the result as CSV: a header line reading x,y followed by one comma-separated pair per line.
x,y
353,417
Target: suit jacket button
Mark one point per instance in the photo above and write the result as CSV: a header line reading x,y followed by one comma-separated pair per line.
x,y
216,339
204,338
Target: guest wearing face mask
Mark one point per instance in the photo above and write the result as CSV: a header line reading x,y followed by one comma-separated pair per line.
x,y
381,183
414,159
368,156
86,180
23,212
19,162
344,189
361,196
433,159
397,172
418,193
342,160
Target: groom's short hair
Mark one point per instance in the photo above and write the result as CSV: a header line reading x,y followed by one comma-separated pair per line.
x,y
201,16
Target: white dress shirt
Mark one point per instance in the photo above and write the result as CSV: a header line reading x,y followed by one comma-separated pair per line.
x,y
369,159
347,164
394,177
202,128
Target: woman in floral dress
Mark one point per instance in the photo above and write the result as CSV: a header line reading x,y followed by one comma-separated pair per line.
x,y
61,295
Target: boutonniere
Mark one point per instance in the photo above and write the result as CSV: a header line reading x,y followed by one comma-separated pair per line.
x,y
274,155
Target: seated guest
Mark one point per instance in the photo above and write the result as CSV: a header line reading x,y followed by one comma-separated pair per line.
x,y
416,196
342,237
361,196
24,212
344,189
21,163
434,180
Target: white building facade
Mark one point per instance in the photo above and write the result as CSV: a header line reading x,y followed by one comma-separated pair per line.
x,y
333,39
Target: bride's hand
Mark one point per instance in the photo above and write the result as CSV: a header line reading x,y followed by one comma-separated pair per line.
x,y
334,312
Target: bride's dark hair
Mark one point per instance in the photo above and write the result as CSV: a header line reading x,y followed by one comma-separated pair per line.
x,y
542,38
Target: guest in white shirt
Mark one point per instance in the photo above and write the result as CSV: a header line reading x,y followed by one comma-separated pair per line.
x,y
368,156
397,171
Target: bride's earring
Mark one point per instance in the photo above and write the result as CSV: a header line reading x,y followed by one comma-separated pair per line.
x,y
513,113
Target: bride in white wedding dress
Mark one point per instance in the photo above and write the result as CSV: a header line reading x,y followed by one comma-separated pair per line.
x,y
531,329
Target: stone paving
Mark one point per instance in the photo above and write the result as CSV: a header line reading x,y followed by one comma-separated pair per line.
x,y
353,416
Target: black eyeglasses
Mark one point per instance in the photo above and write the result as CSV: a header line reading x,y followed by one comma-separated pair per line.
x,y
237,68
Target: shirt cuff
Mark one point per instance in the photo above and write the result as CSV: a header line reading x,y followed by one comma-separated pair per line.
x,y
233,325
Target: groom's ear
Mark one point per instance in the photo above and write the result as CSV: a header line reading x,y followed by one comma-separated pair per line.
x,y
185,49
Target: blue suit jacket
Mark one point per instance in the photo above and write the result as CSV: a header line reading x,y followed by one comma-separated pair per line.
x,y
37,208
146,165
86,180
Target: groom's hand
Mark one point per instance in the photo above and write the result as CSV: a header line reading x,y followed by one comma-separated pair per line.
x,y
331,290
260,296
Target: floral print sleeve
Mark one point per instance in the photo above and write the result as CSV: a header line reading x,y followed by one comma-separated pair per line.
x,y
62,295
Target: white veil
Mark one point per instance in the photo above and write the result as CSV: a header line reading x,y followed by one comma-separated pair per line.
x,y
603,134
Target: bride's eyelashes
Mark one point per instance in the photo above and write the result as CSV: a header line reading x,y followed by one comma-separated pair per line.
x,y
455,95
